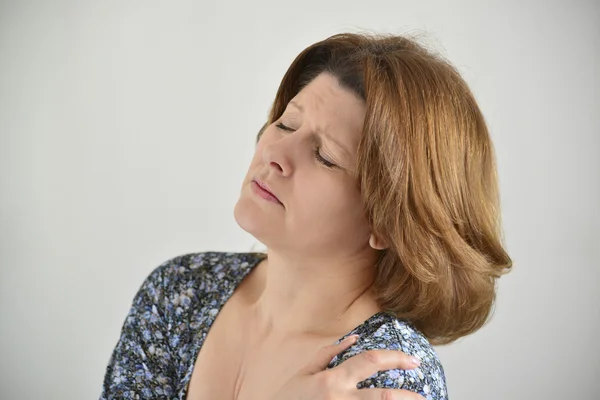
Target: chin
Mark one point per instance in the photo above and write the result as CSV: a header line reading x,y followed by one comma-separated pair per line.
x,y
254,220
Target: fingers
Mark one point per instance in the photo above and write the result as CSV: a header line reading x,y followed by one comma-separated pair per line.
x,y
388,394
326,354
365,364
360,367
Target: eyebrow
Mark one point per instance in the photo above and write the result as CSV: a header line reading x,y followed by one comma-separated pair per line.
x,y
320,131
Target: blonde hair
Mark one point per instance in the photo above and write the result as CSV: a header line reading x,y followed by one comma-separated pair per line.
x,y
426,171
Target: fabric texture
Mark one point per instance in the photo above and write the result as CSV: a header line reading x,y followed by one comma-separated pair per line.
x,y
177,303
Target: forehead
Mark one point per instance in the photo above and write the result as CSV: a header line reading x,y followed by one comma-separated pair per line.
x,y
330,109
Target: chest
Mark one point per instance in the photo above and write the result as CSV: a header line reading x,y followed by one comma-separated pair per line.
x,y
235,364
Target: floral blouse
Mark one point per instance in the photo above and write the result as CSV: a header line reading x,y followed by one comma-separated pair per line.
x,y
178,302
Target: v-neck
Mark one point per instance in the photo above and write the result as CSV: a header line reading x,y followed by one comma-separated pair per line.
x,y
233,277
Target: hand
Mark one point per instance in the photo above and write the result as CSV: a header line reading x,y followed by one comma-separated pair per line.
x,y
315,382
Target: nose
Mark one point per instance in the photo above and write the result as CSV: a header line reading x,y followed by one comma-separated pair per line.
x,y
277,156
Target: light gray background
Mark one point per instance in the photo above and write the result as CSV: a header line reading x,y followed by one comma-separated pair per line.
x,y
127,127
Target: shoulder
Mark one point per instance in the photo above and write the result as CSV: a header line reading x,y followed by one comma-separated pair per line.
x,y
385,331
200,270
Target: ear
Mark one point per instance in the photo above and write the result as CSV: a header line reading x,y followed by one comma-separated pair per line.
x,y
377,243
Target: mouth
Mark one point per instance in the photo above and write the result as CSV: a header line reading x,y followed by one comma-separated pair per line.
x,y
263,190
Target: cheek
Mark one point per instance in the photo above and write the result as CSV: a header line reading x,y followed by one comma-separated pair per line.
x,y
256,160
328,200
258,149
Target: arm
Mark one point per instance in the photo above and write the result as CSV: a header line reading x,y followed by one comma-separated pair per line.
x,y
141,364
428,379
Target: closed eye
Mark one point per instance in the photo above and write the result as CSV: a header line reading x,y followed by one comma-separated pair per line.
x,y
316,151
284,128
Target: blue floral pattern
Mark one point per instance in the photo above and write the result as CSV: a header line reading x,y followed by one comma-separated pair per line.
x,y
176,305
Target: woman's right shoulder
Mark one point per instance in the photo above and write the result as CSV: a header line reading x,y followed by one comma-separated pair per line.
x,y
198,270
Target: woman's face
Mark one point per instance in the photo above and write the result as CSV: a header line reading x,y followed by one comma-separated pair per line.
x,y
307,159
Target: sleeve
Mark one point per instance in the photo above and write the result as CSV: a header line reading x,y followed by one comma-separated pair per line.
x,y
140,366
428,379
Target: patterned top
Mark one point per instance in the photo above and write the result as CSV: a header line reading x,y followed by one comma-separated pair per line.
x,y
178,302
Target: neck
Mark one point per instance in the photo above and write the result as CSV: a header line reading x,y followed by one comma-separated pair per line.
x,y
325,296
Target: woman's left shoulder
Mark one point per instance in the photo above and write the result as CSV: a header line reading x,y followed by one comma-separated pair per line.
x,y
385,331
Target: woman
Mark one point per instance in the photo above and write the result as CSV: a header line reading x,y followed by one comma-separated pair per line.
x,y
373,186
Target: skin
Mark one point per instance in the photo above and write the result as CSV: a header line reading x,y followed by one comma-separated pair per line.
x,y
320,247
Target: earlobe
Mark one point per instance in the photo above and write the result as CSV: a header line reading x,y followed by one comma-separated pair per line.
x,y
377,243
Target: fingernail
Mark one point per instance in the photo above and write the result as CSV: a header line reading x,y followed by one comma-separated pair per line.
x,y
351,338
415,361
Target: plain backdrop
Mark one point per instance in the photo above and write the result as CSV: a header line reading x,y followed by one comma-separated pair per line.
x,y
127,127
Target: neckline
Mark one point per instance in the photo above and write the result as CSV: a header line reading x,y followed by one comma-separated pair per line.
x,y
252,259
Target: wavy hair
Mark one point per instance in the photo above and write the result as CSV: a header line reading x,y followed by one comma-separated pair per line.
x,y
426,171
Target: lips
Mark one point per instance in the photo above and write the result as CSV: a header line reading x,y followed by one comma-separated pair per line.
x,y
264,186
